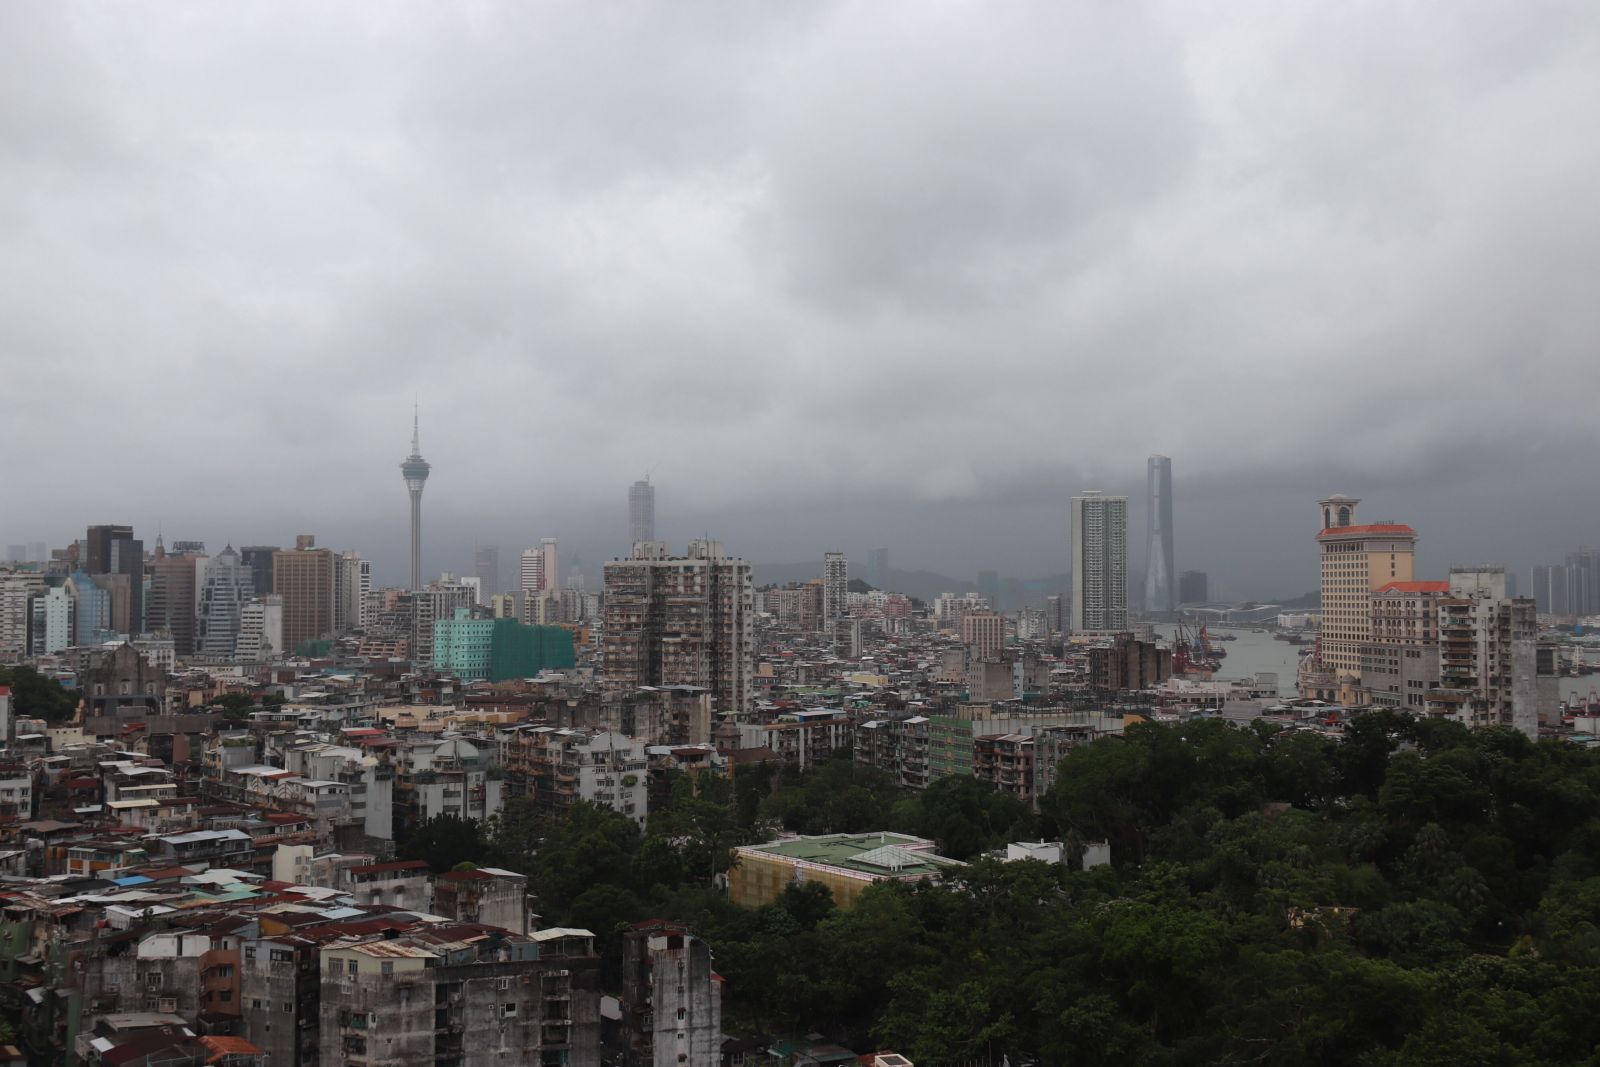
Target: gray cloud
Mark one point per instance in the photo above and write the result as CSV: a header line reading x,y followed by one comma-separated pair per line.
x,y
839,274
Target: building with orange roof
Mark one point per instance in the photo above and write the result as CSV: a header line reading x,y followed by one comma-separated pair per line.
x,y
1357,561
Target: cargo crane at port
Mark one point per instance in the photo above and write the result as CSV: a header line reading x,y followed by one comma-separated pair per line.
x,y
1190,654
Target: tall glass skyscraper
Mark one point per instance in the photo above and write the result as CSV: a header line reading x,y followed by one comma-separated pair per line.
x,y
641,511
1158,566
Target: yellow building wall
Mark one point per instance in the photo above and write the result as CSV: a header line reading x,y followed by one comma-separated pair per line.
x,y
1381,570
755,881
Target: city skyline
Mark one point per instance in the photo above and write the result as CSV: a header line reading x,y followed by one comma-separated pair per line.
x,y
453,550
1065,497
1197,345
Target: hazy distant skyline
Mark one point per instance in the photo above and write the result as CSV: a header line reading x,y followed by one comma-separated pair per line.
x,y
838,275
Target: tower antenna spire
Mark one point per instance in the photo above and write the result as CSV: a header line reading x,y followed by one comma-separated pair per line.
x,y
415,471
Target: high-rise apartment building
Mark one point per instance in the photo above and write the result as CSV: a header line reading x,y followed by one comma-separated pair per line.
x,y
260,630
1099,562
54,615
304,579
552,564
680,620
1357,560
441,600
530,572
671,997
226,587
1488,653
174,596
113,550
352,581
1056,616
878,567
835,584
1159,571
1583,583
17,593
1193,587
486,566
1400,662
415,471
641,512
983,632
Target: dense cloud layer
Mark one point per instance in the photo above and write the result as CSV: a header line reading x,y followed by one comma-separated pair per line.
x,y
836,274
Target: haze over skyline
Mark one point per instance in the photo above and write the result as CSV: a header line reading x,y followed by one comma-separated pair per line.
x,y
838,276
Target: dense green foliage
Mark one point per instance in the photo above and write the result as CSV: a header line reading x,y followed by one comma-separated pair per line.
x,y
234,705
445,842
37,695
1415,894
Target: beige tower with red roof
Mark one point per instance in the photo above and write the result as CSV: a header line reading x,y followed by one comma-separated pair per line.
x,y
1357,561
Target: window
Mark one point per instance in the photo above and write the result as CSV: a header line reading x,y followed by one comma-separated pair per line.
x,y
387,966
288,1007
510,1011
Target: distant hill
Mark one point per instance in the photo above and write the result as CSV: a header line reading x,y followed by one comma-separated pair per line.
x,y
924,585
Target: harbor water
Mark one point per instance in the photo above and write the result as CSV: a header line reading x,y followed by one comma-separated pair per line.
x,y
1251,653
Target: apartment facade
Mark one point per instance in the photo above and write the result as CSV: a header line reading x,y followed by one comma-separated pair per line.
x,y
1099,562
680,620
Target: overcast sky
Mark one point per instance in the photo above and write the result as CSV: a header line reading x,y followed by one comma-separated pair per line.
x,y
837,275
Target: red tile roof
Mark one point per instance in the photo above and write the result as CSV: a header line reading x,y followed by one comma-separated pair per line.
x,y
1387,529
221,1046
1415,587
397,865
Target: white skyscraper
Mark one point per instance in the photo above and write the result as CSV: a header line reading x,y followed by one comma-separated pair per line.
x,y
552,565
352,581
1099,562
226,587
641,512
260,630
835,584
54,612
530,571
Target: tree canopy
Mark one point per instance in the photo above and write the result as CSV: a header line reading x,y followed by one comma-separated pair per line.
x,y
1413,894
38,695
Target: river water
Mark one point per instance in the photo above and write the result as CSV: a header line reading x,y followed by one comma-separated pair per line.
x,y
1251,653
